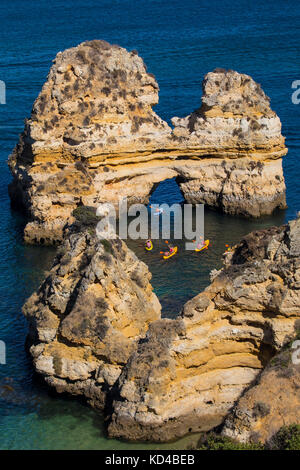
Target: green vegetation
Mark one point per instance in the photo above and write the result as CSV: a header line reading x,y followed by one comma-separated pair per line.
x,y
86,219
287,438
107,246
85,216
261,409
213,441
57,365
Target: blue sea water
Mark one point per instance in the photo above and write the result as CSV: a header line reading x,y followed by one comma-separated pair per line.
x,y
180,42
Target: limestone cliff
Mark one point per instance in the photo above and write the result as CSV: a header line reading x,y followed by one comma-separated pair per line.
x,y
273,402
187,373
88,314
93,137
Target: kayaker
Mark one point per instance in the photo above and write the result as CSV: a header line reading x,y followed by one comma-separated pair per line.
x,y
158,210
171,250
148,245
200,245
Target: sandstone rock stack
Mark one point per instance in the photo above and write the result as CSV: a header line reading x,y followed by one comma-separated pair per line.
x,y
93,137
186,375
96,331
88,315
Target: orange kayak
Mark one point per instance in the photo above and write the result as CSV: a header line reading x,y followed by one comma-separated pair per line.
x,y
204,247
171,254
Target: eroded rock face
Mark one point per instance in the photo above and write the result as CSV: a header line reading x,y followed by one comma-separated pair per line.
x,y
88,314
273,402
187,373
93,137
96,331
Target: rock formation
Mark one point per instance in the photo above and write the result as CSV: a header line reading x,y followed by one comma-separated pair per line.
x,y
88,314
273,402
186,375
93,137
96,331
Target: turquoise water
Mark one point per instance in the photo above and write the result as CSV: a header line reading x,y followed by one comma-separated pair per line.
x,y
180,42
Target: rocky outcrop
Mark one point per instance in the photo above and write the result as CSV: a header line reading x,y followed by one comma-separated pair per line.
x,y
93,137
273,402
88,315
187,373
96,331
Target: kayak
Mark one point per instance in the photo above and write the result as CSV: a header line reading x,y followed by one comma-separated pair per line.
x,y
204,247
160,211
171,254
150,247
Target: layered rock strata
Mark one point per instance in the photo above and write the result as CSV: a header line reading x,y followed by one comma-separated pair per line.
x,y
187,374
96,331
93,137
88,315
273,402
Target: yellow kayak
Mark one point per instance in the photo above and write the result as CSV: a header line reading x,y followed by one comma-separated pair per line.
x,y
171,254
150,247
204,247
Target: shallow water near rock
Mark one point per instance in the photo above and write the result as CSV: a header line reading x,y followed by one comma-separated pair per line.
x,y
179,46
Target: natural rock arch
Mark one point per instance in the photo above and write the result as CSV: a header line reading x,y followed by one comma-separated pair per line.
x,y
93,137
